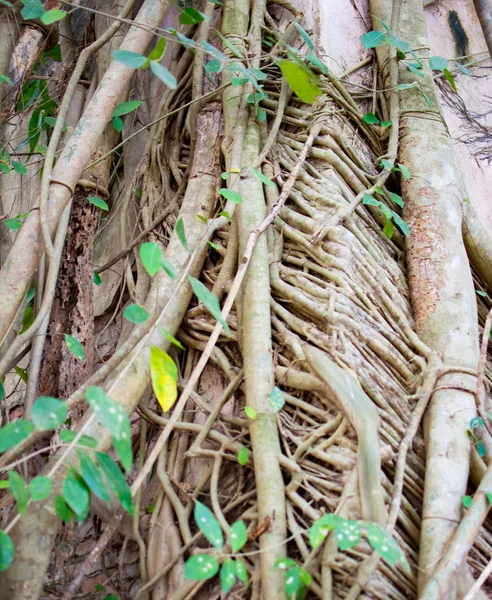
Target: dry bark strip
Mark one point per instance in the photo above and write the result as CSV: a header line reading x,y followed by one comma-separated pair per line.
x,y
443,295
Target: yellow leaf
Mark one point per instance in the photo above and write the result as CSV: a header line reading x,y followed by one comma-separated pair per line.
x,y
164,375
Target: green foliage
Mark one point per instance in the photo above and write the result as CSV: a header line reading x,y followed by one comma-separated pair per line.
x,y
347,534
92,476
277,399
238,536
210,301
135,313
250,412
116,481
48,413
6,551
40,488
180,232
75,346
153,259
302,81
76,494
18,489
296,578
208,525
13,433
201,567
389,214
67,437
242,456
231,195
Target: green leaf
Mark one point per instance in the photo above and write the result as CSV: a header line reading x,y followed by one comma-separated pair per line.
x,y
488,495
6,551
263,178
125,108
75,346
238,536
32,10
438,63
228,44
13,433
304,35
322,527
463,69
40,488
316,62
481,448
302,83
19,491
415,70
180,232
208,525
214,66
396,199
130,59
171,338
293,582
370,200
370,119
384,544
135,313
210,301
385,124
401,224
19,167
76,494
63,510
7,79
5,168
373,39
250,412
164,375
118,124
347,534
242,455
227,575
92,476
21,373
97,278
99,202
404,171
481,293
277,399
241,571
153,259
284,563
467,501
48,413
159,49
305,576
52,16
231,195
389,228
109,413
67,437
261,114
398,43
201,567
116,481
450,79
163,74
223,213
191,16
13,224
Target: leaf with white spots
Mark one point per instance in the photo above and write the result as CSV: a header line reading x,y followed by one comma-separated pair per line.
x,y
293,581
75,346
238,536
208,525
277,399
347,534
13,433
241,571
201,567
109,413
385,545
48,413
322,527
285,563
227,575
